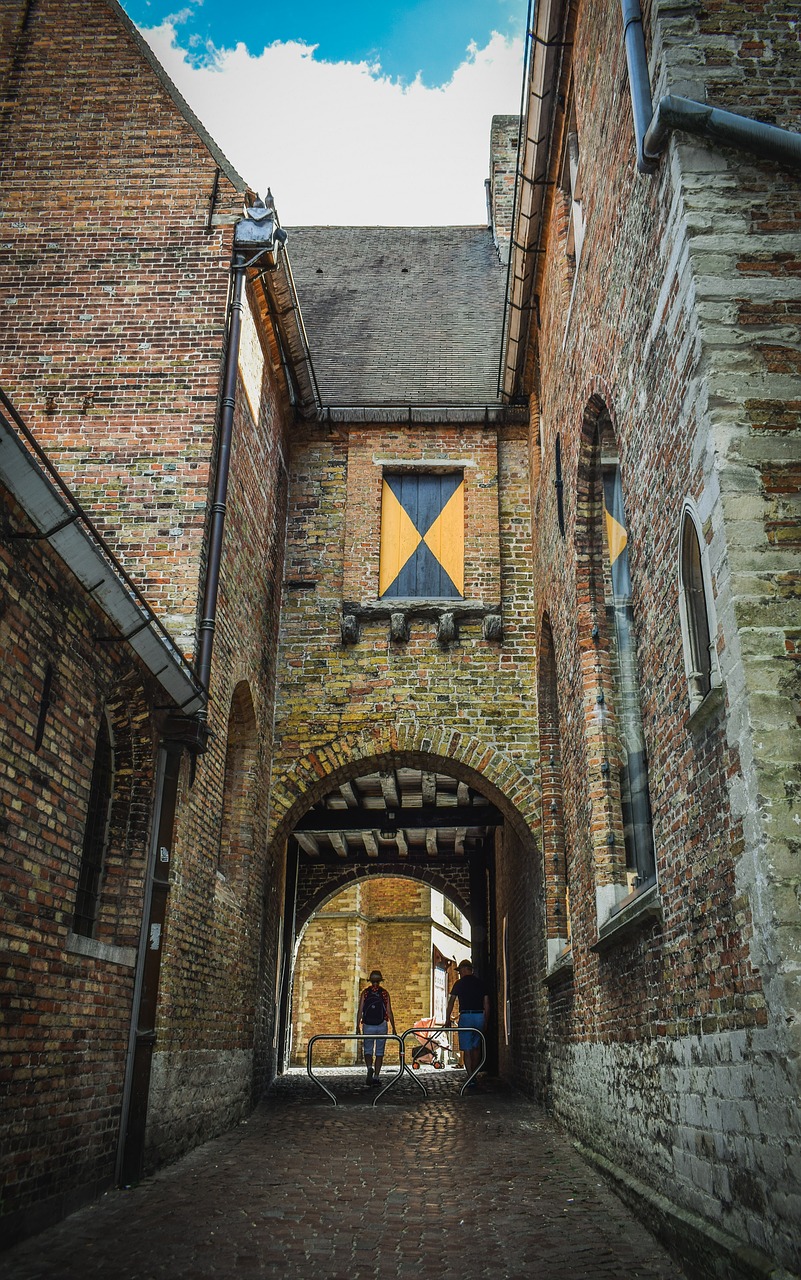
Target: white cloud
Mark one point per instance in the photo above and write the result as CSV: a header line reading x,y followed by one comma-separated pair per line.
x,y
338,142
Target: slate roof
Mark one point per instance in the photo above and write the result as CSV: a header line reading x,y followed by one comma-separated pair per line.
x,y
401,315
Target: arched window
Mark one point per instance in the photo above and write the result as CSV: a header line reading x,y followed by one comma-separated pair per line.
x,y
612,603
557,898
236,835
95,836
697,618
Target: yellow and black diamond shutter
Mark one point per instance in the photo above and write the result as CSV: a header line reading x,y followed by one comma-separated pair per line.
x,y
422,536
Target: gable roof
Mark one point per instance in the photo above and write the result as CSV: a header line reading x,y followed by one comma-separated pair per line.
x,y
401,315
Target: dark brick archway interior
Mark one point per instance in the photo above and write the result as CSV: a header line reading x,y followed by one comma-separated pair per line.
x,y
431,826
317,883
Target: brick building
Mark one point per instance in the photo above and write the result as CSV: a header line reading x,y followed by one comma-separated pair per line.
x,y
415,935
482,572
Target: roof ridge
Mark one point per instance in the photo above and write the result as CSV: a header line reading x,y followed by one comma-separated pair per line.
x,y
180,102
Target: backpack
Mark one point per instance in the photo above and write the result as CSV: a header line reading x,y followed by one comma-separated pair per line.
x,y
374,1010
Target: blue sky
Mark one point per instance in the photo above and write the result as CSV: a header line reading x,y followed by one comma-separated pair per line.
x,y
429,37
359,114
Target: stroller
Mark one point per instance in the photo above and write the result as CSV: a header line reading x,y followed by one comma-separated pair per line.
x,y
432,1047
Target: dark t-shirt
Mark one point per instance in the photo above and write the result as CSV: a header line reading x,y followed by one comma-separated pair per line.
x,y
470,992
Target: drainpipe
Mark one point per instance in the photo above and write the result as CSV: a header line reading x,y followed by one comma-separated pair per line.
x,y
208,618
652,127
255,235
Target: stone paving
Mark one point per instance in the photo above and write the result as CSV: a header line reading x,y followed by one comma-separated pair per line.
x,y
481,1186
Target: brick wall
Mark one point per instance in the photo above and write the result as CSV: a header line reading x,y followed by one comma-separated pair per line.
x,y
504,137
469,706
670,1047
115,287
66,999
116,276
384,922
218,993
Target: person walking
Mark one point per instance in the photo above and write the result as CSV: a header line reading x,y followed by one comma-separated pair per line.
x,y
374,1013
474,1008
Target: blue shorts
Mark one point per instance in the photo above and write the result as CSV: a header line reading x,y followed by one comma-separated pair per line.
x,y
370,1045
468,1039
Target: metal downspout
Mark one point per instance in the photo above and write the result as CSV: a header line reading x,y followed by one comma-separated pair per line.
x,y
652,127
519,176
639,82
142,1039
208,619
726,127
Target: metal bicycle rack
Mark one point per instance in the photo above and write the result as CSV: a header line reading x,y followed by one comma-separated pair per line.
x,y
404,1066
448,1031
356,1036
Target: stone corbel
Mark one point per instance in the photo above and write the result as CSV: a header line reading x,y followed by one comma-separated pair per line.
x,y
398,628
349,628
447,630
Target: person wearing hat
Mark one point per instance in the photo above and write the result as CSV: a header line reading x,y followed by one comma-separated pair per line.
x,y
375,1011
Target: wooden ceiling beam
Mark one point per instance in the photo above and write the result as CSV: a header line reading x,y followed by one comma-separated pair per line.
x,y
398,819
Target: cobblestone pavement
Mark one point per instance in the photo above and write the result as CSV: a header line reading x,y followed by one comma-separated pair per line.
x,y
481,1186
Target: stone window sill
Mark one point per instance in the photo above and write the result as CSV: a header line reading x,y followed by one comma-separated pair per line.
x,y
561,968
78,945
704,711
641,907
421,607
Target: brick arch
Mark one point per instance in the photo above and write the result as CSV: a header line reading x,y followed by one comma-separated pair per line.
x,y
339,879
413,744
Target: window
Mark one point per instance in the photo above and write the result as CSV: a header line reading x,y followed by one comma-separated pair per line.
x,y
613,603
95,836
422,536
697,619
452,913
236,834
557,898
570,183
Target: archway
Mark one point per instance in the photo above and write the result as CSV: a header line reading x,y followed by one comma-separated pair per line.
x,y
437,816
412,932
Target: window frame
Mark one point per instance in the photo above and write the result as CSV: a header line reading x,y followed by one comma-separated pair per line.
x,y
688,610
96,834
419,473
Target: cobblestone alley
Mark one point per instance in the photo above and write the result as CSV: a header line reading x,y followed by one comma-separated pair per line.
x,y
485,1185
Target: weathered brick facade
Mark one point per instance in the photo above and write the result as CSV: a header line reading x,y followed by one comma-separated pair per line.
x,y
118,285
667,1045
67,1005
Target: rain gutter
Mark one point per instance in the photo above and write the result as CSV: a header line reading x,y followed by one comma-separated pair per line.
x,y
60,520
542,61
652,127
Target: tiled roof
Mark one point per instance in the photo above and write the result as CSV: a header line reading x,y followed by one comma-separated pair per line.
x,y
401,315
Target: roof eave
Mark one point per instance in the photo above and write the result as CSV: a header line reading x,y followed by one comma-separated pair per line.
x,y
541,72
105,582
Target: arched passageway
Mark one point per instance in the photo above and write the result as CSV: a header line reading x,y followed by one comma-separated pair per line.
x,y
409,814
413,933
